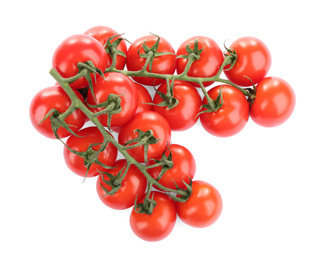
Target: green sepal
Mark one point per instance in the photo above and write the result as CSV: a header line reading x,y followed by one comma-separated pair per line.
x,y
218,103
231,53
169,100
194,51
146,207
113,181
186,192
166,162
109,44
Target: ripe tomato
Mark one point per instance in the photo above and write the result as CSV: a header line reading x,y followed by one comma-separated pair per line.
x,y
184,166
231,117
88,137
253,61
102,34
164,64
78,48
47,99
144,99
134,184
159,224
203,207
211,58
184,115
147,120
274,103
119,84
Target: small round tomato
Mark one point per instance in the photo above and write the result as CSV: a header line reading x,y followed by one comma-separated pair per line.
x,y
211,58
274,102
164,64
118,84
86,138
159,224
47,99
133,185
184,114
102,34
144,121
78,48
253,61
184,167
231,117
144,99
203,207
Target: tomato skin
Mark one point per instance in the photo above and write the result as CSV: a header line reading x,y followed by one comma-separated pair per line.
x,y
147,120
253,61
210,60
114,83
102,34
78,48
159,224
134,184
162,65
47,99
184,166
274,103
203,207
231,118
144,99
89,136
184,115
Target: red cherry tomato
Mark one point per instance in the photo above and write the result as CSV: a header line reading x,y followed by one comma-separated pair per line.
x,y
211,58
78,48
87,137
231,117
159,224
144,99
119,84
164,64
133,184
253,61
102,34
203,207
184,166
274,103
47,99
184,115
147,120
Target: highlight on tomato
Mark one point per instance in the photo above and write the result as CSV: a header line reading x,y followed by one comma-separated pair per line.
x,y
203,207
274,102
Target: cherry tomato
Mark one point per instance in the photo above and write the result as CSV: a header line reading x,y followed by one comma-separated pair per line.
x,y
203,207
164,64
133,184
184,166
159,224
144,99
78,48
102,34
274,103
47,99
119,84
184,115
147,120
253,61
231,117
211,58
87,137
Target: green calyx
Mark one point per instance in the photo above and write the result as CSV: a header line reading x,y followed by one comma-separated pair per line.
x,y
168,98
111,47
192,52
213,105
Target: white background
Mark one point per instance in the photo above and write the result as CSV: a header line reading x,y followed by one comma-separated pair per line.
x,y
271,179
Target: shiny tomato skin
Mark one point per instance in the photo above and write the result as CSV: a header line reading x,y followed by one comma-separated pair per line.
x,y
147,120
133,184
144,99
88,136
203,207
184,166
78,48
159,224
184,115
119,84
253,61
209,62
231,118
47,99
274,103
102,34
162,65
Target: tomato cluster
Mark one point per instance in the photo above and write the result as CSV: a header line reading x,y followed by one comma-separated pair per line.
x,y
99,79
